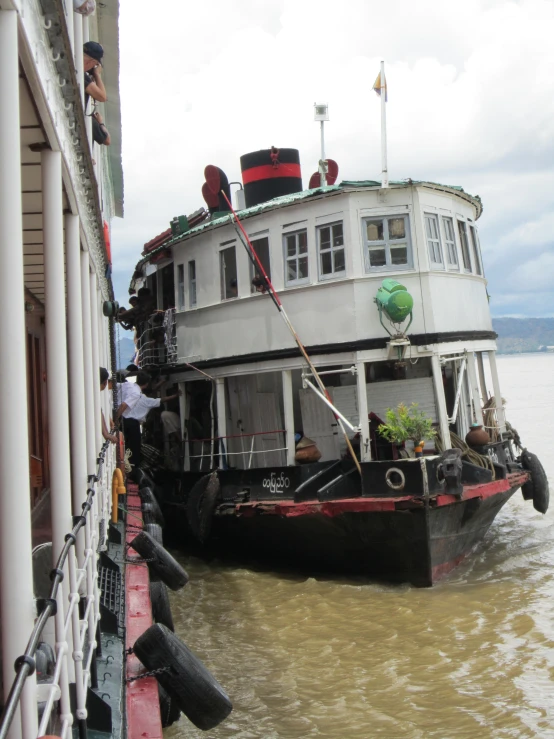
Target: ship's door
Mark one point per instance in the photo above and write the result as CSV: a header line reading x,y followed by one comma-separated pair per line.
x,y
319,425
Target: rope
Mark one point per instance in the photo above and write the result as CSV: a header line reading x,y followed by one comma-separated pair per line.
x,y
471,455
128,467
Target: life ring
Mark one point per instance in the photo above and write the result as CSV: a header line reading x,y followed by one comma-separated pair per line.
x,y
160,561
196,692
200,505
161,609
537,487
155,531
151,506
169,710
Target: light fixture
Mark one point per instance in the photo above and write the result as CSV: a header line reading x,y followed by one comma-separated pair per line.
x,y
321,112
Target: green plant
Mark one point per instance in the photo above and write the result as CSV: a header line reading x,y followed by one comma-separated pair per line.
x,y
405,424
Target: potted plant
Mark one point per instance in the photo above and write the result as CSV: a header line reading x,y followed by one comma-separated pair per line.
x,y
407,424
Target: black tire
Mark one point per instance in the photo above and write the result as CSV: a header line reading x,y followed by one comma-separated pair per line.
x,y
143,479
160,561
539,480
197,693
161,608
151,515
200,505
149,499
155,531
169,710
45,660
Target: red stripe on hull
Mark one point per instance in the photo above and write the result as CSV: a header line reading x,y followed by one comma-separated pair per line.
x,y
269,172
442,570
143,707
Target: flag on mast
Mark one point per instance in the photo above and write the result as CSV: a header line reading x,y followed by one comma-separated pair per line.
x,y
378,86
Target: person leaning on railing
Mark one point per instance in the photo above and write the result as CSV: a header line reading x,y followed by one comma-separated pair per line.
x,y
104,380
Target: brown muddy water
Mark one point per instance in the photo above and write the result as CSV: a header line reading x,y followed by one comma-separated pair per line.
x,y
337,658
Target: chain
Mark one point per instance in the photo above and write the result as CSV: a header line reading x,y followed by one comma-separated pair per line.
x,y
151,673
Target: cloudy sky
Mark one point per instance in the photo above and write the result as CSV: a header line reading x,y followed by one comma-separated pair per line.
x,y
471,103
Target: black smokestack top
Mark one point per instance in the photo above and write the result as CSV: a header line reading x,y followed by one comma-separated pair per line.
x,y
269,173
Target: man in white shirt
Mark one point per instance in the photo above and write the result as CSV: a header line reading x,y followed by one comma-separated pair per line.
x,y
134,408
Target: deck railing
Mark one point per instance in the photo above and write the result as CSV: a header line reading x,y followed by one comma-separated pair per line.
x,y
216,445
75,636
157,339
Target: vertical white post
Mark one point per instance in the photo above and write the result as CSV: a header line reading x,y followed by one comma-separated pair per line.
x,y
78,53
16,581
322,167
76,371
56,370
183,413
95,361
365,442
221,418
497,394
384,170
474,386
483,382
289,416
441,401
90,373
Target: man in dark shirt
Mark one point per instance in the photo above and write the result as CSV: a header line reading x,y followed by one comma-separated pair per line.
x,y
93,53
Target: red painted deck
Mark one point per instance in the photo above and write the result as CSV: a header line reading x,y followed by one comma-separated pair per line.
x,y
143,708
290,509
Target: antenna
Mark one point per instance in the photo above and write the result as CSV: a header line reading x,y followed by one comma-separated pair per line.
x,y
321,114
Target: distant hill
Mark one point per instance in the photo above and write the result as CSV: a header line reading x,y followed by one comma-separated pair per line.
x,y
125,352
516,335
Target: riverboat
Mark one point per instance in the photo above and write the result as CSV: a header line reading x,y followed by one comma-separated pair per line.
x,y
292,324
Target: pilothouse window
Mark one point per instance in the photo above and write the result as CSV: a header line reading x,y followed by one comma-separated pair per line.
x,y
331,251
181,286
228,270
296,257
465,246
476,250
450,243
192,283
433,240
387,243
261,247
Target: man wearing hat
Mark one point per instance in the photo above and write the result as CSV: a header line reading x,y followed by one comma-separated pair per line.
x,y
94,86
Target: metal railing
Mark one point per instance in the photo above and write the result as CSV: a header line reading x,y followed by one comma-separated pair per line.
x,y
212,446
75,636
157,339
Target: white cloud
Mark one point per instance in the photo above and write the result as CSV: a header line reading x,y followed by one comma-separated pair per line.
x,y
471,102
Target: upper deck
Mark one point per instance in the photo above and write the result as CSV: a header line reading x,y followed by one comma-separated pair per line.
x,y
326,252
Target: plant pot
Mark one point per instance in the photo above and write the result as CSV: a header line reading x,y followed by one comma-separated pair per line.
x,y
477,436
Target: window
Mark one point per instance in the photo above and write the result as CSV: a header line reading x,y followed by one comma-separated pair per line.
x,y
387,243
192,284
331,251
450,243
180,286
261,247
465,246
228,272
433,239
296,257
476,250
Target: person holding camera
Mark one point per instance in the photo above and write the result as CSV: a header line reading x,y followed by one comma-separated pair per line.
x,y
93,53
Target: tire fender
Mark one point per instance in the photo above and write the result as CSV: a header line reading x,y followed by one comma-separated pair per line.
x,y
160,561
196,692
161,608
201,504
539,490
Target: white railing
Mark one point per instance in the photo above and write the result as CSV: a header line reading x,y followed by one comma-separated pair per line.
x,y
216,445
157,339
75,636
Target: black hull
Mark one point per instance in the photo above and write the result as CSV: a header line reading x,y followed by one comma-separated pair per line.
x,y
410,538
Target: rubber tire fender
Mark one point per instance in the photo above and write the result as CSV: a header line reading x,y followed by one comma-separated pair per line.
x,y
541,493
148,498
201,504
169,710
196,692
160,561
161,608
155,531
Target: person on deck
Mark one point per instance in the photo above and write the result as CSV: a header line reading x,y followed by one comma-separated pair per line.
x,y
104,379
93,54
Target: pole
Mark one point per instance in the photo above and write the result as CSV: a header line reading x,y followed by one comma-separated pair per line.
x,y
288,407
441,401
253,255
383,96
76,371
91,373
497,394
322,166
16,569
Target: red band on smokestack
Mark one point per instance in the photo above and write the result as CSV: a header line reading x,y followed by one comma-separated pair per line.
x,y
268,172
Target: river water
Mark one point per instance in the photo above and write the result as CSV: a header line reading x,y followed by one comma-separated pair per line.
x,y
347,659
